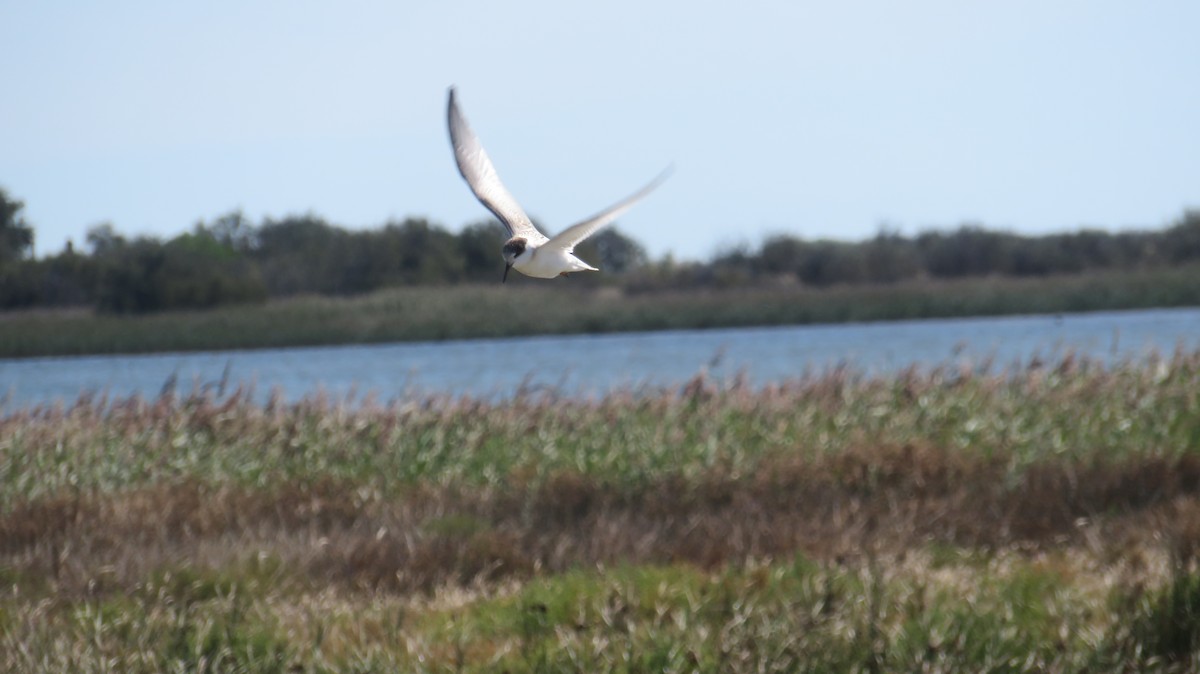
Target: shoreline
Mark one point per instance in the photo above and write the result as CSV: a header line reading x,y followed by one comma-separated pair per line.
x,y
440,314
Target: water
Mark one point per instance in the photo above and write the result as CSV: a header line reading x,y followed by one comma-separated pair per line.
x,y
594,364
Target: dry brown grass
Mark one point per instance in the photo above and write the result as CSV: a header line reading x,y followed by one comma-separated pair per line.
x,y
878,500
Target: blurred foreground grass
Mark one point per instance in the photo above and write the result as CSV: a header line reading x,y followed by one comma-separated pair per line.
x,y
1040,519
460,312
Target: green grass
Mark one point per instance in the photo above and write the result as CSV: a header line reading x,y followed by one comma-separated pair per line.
x,y
461,312
1019,614
1044,519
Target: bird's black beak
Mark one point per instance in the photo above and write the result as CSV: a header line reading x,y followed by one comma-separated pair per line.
x,y
506,268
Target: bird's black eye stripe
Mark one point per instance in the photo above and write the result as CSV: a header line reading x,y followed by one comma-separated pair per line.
x,y
514,247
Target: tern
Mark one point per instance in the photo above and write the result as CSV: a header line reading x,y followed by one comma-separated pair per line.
x,y
527,250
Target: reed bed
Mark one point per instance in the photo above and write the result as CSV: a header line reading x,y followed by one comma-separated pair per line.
x,y
462,312
1045,517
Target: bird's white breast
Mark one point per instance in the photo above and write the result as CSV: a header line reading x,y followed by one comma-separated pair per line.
x,y
540,263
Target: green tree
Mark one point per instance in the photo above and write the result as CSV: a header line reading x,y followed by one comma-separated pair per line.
x,y
298,255
479,249
232,230
1183,239
16,237
891,257
970,250
417,252
191,271
104,240
612,251
782,255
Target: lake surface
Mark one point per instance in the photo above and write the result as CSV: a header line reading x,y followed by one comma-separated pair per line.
x,y
595,364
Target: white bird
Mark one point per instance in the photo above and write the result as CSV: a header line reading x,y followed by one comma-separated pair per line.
x,y
527,250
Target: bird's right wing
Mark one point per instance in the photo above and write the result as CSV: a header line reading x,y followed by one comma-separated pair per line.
x,y
476,168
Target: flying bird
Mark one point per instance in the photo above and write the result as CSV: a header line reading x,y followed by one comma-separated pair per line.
x,y
527,250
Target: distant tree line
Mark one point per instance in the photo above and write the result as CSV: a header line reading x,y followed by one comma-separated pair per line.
x,y
969,250
233,260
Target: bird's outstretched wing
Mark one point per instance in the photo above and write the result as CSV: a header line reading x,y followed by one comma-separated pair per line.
x,y
476,167
570,237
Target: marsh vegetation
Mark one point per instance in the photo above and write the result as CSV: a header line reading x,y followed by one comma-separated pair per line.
x,y
1044,518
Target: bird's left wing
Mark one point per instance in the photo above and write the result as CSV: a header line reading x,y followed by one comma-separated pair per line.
x,y
570,237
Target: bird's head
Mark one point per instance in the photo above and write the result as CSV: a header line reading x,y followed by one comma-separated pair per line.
x,y
513,249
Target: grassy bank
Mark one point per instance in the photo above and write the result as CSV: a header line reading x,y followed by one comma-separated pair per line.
x,y
556,308
1047,519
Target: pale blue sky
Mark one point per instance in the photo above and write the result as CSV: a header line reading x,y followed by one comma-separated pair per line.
x,y
817,119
